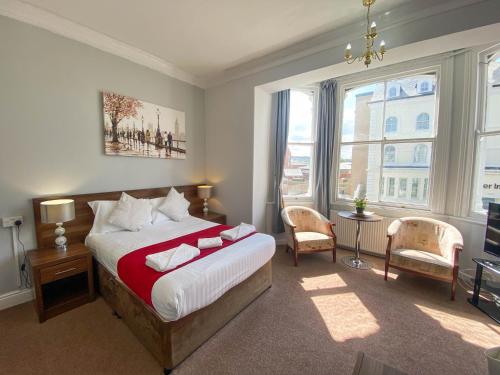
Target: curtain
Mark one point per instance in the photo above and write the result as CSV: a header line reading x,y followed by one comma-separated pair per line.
x,y
324,149
282,115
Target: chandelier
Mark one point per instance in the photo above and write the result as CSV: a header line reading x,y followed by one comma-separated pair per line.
x,y
370,53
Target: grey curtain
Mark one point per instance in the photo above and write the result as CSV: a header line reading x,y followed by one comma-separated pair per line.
x,y
324,149
282,115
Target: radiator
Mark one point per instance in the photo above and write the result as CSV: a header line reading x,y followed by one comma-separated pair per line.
x,y
373,235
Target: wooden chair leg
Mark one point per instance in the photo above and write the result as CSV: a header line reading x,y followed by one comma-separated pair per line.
x,y
386,268
454,285
296,257
334,251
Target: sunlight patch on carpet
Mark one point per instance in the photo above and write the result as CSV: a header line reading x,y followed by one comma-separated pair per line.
x,y
390,275
323,282
345,316
469,330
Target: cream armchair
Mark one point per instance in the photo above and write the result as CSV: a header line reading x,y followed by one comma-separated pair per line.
x,y
424,247
307,231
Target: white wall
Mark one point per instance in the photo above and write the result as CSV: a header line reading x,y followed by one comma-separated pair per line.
x,y
230,106
51,138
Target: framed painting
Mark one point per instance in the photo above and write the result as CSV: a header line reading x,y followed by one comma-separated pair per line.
x,y
134,127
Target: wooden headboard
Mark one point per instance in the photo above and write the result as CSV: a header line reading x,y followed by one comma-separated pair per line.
x,y
77,229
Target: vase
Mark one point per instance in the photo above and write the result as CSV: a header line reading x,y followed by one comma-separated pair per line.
x,y
360,211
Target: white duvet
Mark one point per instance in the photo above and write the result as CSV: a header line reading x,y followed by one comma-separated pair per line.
x,y
196,285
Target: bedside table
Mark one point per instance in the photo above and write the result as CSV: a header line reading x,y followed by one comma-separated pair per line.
x,y
62,280
211,216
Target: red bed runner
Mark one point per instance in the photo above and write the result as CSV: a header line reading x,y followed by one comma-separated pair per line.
x,y
140,278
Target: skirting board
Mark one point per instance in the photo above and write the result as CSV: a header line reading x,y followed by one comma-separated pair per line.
x,y
15,297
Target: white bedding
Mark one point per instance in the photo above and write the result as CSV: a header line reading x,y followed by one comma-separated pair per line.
x,y
196,285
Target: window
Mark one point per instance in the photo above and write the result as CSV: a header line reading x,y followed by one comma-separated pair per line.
x,y
414,188
378,143
420,154
392,185
393,92
487,164
426,188
424,86
423,121
391,124
299,166
402,187
390,154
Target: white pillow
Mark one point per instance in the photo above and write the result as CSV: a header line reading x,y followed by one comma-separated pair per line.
x,y
131,213
175,206
102,210
156,215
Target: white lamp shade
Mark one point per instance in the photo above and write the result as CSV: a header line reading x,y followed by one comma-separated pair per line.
x,y
205,191
57,210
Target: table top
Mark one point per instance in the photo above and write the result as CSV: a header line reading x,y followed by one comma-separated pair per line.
x,y
47,257
353,216
492,265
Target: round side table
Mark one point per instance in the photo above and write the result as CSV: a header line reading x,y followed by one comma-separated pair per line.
x,y
355,261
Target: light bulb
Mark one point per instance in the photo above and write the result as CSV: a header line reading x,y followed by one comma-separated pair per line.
x,y
348,46
382,43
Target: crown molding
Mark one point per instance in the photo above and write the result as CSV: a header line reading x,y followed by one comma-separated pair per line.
x,y
339,37
58,25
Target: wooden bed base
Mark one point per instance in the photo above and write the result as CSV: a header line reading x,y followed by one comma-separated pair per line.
x,y
171,342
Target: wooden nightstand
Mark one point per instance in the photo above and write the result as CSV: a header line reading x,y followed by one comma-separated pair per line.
x,y
212,216
62,280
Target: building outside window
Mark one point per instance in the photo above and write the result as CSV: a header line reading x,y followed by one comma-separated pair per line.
x,y
420,155
391,125
393,92
369,153
299,158
414,188
392,186
390,154
487,158
402,187
423,121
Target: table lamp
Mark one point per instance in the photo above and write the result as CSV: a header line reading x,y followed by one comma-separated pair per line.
x,y
57,212
204,192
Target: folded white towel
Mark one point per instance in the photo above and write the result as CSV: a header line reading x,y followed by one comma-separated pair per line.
x,y
236,233
169,259
206,243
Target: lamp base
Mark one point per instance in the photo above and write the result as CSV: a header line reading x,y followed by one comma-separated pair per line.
x,y
60,240
205,206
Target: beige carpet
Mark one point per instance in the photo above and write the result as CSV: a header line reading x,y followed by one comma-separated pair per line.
x,y
312,321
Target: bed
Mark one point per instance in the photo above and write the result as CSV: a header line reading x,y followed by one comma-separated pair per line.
x,y
189,304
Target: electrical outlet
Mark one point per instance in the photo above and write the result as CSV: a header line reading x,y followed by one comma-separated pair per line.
x,y
8,222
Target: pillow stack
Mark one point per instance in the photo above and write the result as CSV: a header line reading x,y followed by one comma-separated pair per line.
x,y
133,214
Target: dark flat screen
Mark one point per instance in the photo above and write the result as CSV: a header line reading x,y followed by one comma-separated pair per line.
x,y
492,241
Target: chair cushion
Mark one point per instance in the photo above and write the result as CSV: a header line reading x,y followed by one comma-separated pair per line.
x,y
310,241
422,261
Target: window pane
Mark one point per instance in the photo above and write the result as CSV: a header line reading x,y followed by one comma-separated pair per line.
x,y
493,94
488,188
363,113
297,171
410,113
301,116
407,169
359,165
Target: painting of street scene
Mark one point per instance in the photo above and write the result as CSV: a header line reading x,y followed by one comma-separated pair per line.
x,y
133,127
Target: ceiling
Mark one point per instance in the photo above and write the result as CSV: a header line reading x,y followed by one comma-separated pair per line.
x,y
205,37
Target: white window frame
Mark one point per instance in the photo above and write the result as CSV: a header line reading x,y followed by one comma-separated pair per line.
x,y
480,72
442,65
308,198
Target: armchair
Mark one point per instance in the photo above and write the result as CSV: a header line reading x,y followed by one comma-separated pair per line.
x,y
307,231
425,247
